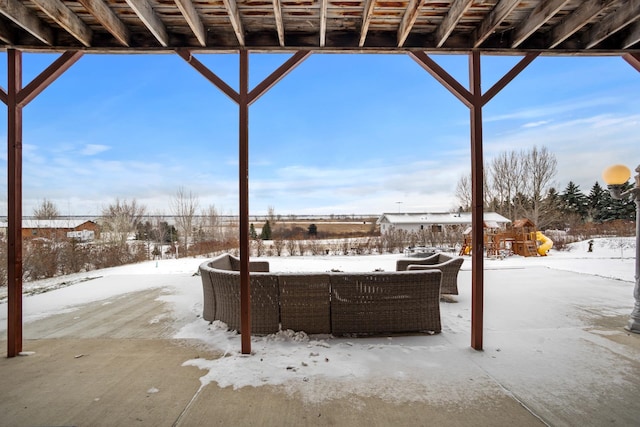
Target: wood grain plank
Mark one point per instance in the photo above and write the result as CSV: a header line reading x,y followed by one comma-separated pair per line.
x,y
23,17
108,19
68,20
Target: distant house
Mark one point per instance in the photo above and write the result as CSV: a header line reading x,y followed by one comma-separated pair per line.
x,y
60,229
436,222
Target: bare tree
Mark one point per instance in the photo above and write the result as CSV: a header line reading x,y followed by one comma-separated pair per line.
x,y
184,207
46,210
463,192
121,218
212,224
540,169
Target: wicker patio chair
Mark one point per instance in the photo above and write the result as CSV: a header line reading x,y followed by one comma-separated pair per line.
x,y
450,266
375,303
305,302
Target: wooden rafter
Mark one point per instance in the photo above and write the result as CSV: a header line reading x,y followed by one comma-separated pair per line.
x,y
408,20
5,34
457,10
23,17
190,14
536,19
633,37
614,22
63,16
578,19
145,12
323,22
493,20
367,14
277,13
234,17
108,19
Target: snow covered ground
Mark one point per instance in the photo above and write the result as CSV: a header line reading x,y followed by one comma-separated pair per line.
x,y
538,309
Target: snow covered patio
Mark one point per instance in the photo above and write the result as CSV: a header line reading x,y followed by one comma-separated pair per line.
x,y
127,347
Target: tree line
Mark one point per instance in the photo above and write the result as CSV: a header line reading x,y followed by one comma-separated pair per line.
x,y
520,184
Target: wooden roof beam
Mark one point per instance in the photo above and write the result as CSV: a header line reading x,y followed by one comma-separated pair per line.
x,y
578,19
193,20
323,22
614,22
145,12
5,34
234,17
544,11
277,13
68,20
108,19
457,10
633,37
408,20
493,20
367,14
24,18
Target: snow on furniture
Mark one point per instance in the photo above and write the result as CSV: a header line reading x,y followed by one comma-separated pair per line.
x,y
323,303
450,266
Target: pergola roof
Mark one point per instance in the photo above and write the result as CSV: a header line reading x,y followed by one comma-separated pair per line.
x,y
583,27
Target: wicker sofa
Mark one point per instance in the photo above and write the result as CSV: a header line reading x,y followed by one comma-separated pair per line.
x,y
335,303
450,266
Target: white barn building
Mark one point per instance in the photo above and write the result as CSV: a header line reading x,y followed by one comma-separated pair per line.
x,y
436,222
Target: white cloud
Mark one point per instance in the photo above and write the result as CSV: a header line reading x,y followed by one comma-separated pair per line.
x,y
93,149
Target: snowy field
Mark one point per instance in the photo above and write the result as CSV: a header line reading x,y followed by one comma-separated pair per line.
x,y
544,306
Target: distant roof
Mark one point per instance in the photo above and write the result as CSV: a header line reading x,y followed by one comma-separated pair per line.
x,y
444,218
566,27
53,223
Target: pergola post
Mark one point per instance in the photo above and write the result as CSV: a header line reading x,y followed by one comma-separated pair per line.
x,y
244,98
245,290
474,100
14,204
16,98
477,201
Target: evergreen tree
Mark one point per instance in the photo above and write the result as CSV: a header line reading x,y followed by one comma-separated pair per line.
x,y
624,209
599,200
312,230
551,211
252,232
574,201
266,231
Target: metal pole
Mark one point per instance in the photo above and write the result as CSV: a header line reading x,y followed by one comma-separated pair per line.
x,y
634,321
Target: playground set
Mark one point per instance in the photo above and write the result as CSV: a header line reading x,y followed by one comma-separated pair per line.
x,y
521,238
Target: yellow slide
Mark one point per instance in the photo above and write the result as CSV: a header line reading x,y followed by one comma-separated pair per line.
x,y
546,243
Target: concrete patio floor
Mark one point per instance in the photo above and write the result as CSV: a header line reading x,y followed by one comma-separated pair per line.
x,y
114,363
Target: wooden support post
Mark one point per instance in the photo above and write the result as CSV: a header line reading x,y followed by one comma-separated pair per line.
x,y
16,99
245,288
477,202
14,184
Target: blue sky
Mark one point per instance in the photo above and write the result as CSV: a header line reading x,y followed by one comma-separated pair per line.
x,y
341,134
